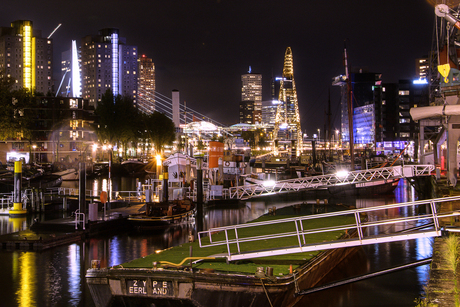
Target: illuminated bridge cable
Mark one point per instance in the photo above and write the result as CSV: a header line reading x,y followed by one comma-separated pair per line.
x,y
365,276
188,109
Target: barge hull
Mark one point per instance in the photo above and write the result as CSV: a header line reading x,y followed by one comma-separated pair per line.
x,y
144,287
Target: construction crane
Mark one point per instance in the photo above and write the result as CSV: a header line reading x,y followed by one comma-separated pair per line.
x,y
55,29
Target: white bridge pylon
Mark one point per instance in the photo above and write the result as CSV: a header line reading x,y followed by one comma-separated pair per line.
x,y
370,176
379,224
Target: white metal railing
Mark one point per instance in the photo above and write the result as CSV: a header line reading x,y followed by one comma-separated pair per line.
x,y
116,195
79,218
314,182
234,238
6,201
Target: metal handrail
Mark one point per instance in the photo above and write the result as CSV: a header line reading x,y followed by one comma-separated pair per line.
x,y
234,235
313,182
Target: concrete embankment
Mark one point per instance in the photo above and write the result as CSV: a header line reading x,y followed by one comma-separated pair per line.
x,y
443,286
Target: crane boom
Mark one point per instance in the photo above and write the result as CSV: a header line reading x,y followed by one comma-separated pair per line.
x,y
55,29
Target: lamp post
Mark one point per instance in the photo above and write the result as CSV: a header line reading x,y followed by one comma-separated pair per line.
x,y
109,181
33,153
199,196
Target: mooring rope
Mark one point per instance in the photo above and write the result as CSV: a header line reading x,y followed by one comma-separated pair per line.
x,y
263,286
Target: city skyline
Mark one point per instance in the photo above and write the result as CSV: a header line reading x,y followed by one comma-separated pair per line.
x,y
203,49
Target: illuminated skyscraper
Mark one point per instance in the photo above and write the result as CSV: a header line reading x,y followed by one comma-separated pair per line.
x,y
108,63
146,88
422,67
26,56
251,90
287,121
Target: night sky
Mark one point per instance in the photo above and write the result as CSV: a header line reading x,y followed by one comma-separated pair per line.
x,y
202,47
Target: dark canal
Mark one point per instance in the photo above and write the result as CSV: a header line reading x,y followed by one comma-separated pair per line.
x,y
55,277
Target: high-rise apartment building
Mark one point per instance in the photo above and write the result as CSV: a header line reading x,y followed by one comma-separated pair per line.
x,y
252,90
146,86
26,56
107,63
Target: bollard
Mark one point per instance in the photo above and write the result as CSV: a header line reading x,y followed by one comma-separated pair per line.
x,y
260,272
269,271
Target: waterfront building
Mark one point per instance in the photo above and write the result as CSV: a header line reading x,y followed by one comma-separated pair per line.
x,y
363,85
364,123
108,63
146,86
399,129
27,57
251,90
61,132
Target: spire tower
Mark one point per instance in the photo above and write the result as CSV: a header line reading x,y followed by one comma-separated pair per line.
x,y
287,120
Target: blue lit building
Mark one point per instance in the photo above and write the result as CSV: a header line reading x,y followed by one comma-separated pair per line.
x,y
107,62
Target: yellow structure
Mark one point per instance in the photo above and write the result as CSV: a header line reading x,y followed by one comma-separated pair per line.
x,y
17,204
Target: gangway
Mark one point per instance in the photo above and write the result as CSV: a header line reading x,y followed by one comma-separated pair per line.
x,y
370,176
370,226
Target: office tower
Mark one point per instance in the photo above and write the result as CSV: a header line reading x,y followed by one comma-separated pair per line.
x,y
26,56
269,113
146,87
251,90
363,85
247,112
107,63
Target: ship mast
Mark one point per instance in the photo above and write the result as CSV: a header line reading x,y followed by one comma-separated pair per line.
x,y
350,110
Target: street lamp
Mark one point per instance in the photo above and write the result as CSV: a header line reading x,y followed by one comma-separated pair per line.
x,y
319,135
158,158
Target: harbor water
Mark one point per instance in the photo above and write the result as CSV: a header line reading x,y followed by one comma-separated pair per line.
x,y
56,277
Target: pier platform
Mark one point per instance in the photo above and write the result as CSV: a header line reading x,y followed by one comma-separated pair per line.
x,y
48,234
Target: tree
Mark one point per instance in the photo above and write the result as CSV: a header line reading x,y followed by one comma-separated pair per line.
x,y
16,117
105,110
118,120
160,129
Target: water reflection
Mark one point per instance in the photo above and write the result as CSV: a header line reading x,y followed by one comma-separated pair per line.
x,y
27,280
55,277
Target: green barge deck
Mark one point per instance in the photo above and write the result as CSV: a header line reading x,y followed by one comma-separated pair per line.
x,y
188,275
